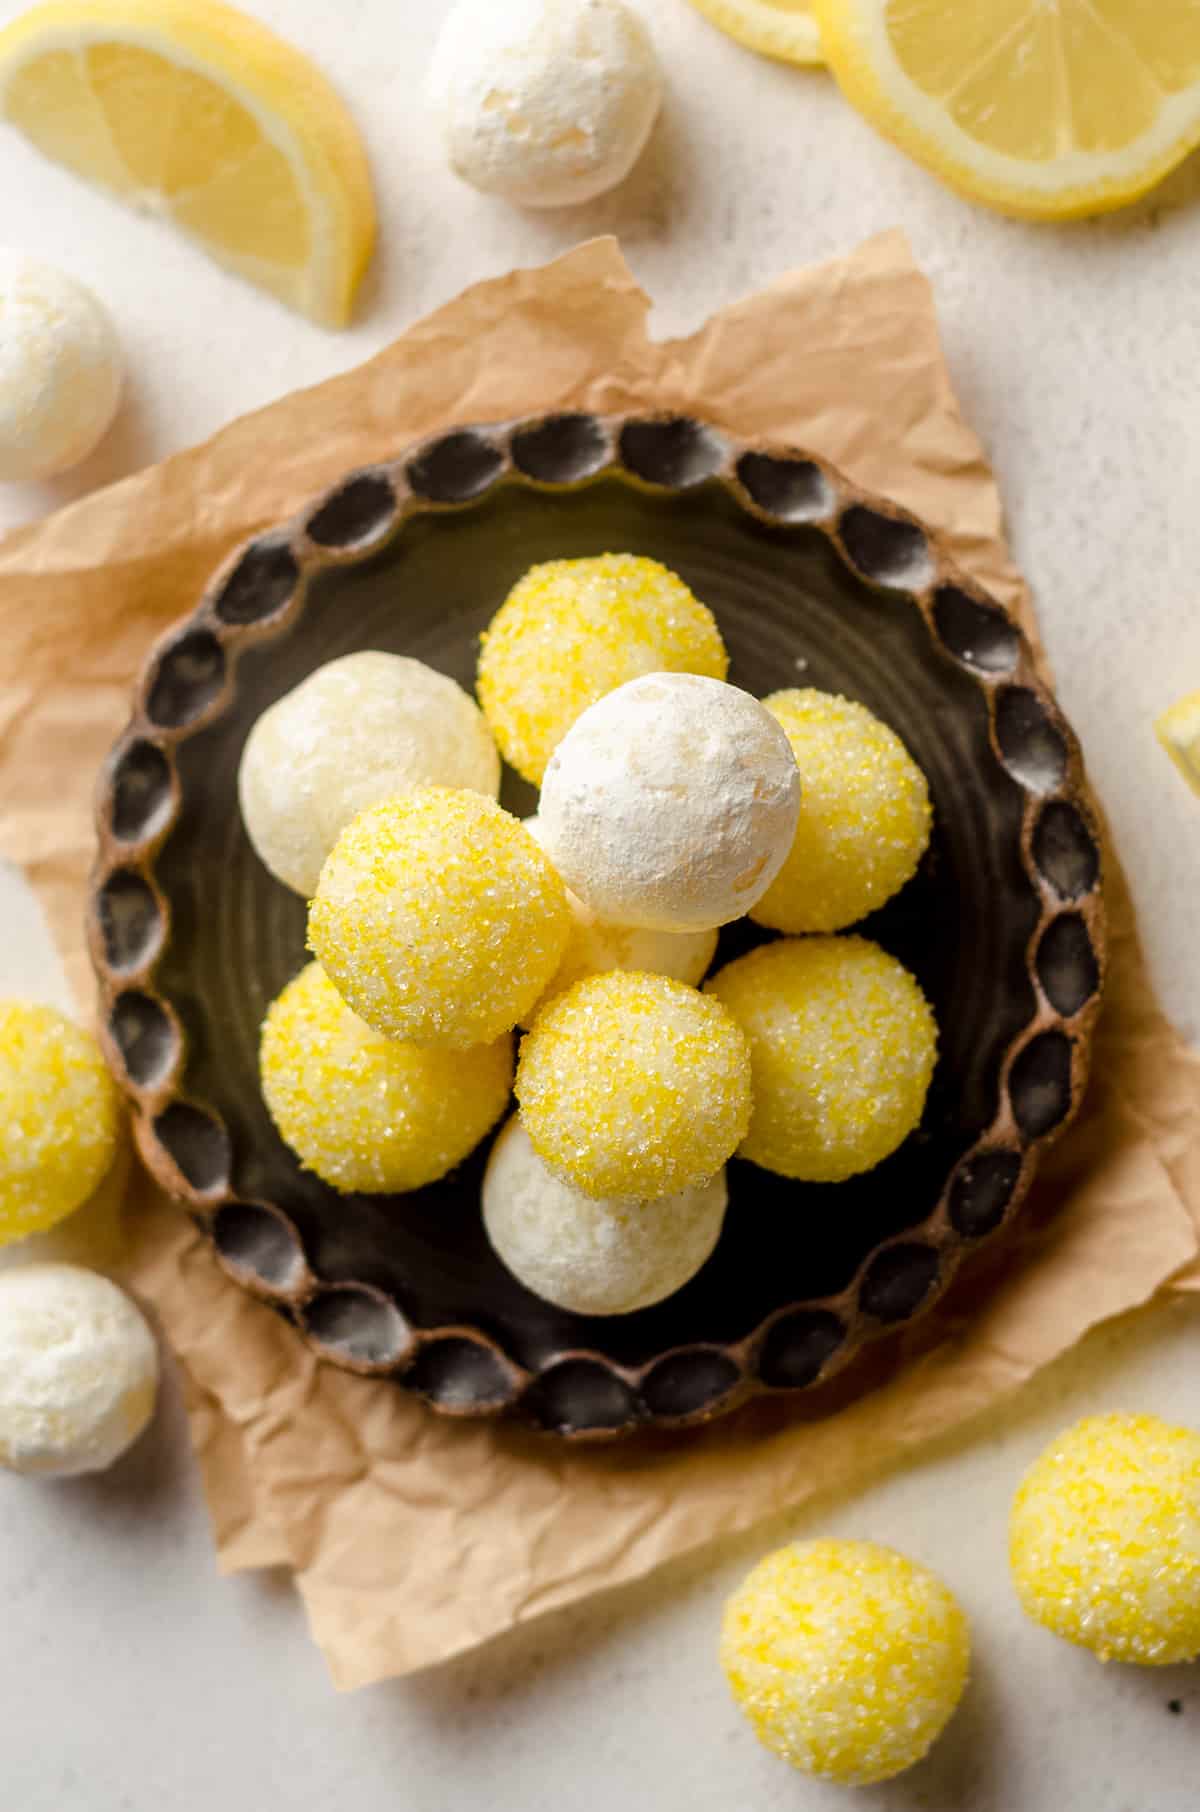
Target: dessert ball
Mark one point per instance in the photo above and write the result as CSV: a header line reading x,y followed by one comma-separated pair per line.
x,y
360,729
847,1659
864,815
78,1371
1104,1539
572,630
60,1115
593,1257
438,918
842,1043
544,102
365,1112
593,948
671,804
60,369
634,1086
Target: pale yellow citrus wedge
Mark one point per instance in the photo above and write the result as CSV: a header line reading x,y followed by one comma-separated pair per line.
x,y
784,29
1179,733
191,110
1050,109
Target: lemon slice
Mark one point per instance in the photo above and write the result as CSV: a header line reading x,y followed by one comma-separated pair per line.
x,y
1046,108
1178,731
191,110
778,28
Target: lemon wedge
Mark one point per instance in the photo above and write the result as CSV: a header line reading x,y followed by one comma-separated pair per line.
x,y
1050,109
1178,730
191,110
784,29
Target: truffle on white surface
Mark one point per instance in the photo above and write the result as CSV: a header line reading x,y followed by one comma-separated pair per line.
x,y
671,803
593,1257
60,369
545,103
359,730
78,1371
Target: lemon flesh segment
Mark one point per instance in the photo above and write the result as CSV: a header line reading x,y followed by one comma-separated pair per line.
x,y
1178,730
191,110
1050,109
784,29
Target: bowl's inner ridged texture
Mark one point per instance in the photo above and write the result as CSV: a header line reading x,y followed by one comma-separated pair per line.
x,y
792,614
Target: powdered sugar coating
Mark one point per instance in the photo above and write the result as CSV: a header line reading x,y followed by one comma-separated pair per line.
x,y
363,728
671,803
60,369
591,1256
544,102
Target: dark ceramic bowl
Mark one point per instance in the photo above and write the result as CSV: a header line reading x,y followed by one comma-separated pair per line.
x,y
812,583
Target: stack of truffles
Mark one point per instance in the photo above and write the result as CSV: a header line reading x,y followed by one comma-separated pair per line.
x,y
672,803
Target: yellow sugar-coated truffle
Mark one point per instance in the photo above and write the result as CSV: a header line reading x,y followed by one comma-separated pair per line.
x,y
847,1659
1104,1539
594,948
864,818
365,1112
842,1043
571,631
634,1086
60,1116
438,918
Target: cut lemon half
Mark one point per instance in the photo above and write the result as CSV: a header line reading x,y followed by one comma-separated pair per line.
x,y
189,109
1050,109
784,29
1179,733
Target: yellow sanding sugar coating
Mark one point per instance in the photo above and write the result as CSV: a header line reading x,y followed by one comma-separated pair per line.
x,y
847,1659
1104,1539
60,1118
864,815
842,1044
365,1112
573,630
438,917
634,1086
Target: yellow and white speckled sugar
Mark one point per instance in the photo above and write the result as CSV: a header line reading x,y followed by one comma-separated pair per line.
x,y
1104,1539
438,918
60,1118
634,1086
864,817
571,631
847,1659
368,1113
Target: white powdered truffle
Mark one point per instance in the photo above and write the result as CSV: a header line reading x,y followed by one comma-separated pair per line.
x,y
544,102
671,803
593,1257
60,369
358,730
78,1371
594,948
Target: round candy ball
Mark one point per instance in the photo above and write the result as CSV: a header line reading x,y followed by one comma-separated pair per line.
x,y
671,804
438,918
367,1113
842,1043
864,815
60,1115
78,1371
634,1086
572,630
593,1257
593,948
60,369
847,1659
544,102
363,728
1104,1539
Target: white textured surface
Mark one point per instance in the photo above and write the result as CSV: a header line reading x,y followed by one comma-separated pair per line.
x,y
60,368
1075,351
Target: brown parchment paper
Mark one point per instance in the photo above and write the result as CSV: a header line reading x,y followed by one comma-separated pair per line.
x,y
412,1538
